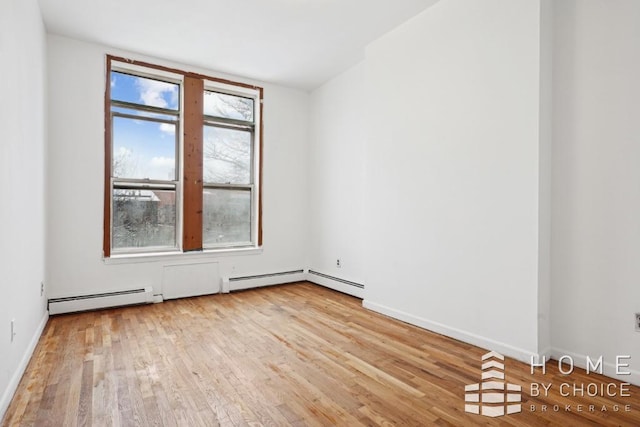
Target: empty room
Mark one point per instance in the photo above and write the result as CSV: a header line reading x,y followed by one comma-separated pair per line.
x,y
320,212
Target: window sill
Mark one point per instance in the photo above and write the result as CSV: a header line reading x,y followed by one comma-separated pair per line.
x,y
183,256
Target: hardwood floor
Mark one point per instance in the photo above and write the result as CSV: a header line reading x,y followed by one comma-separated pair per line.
x,y
287,355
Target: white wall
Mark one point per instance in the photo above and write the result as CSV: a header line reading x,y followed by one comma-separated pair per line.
x,y
336,176
452,172
75,179
596,179
22,154
544,178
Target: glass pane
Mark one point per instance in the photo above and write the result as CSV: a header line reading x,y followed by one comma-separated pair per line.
x,y
143,149
228,106
144,218
145,91
226,216
227,156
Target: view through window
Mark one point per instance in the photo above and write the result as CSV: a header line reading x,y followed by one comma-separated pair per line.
x,y
183,165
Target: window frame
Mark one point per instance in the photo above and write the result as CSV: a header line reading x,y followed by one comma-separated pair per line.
x,y
255,151
141,184
183,171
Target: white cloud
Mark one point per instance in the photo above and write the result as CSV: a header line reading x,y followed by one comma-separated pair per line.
x,y
163,161
168,128
161,168
152,92
113,82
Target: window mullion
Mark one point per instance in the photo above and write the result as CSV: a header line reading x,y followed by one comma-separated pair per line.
x,y
192,185
247,187
147,108
144,184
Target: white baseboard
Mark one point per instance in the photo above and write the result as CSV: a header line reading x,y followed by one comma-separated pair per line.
x,y
336,284
247,282
609,367
22,367
468,337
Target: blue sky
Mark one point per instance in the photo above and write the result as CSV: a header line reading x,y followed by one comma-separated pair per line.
x,y
142,148
140,90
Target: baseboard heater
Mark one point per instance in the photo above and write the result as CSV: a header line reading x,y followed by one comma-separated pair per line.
x,y
337,279
247,282
97,301
336,283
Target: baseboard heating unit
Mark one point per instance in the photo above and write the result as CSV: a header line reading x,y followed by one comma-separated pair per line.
x,y
336,283
246,282
97,301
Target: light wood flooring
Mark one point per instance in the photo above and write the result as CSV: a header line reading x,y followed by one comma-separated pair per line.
x,y
294,354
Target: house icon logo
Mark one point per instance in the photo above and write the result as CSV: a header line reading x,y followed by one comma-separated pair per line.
x,y
492,397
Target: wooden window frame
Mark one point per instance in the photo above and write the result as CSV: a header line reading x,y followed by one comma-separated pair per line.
x,y
192,158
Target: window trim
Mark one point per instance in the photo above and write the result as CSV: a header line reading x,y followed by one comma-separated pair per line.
x,y
141,68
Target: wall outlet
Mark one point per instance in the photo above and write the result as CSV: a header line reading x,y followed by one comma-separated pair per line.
x,y
13,329
338,263
637,322
41,289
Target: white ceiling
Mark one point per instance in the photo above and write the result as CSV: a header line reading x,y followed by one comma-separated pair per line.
x,y
296,43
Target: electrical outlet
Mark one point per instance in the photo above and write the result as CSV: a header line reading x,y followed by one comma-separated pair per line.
x,y
13,329
338,263
637,322
41,288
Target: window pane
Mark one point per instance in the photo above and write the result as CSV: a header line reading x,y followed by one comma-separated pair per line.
x,y
227,156
226,216
143,149
144,218
145,91
228,106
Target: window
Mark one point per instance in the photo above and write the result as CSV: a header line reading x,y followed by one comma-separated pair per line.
x,y
144,153
182,161
228,176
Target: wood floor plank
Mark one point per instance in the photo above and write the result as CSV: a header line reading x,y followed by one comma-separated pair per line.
x,y
291,355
